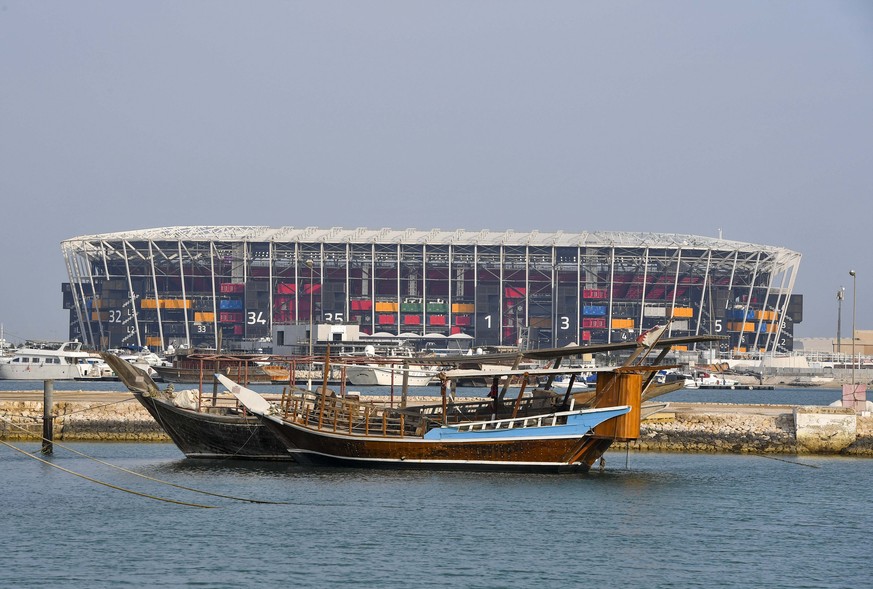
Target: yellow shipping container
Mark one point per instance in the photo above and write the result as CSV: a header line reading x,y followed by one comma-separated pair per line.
x,y
683,312
204,317
739,326
622,323
765,315
149,304
386,307
98,316
463,308
176,304
153,341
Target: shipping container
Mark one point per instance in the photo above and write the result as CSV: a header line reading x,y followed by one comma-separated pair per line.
x,y
683,312
386,307
593,310
232,288
361,305
765,315
622,324
462,320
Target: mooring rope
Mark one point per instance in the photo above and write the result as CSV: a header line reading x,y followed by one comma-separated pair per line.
x,y
156,480
104,483
788,461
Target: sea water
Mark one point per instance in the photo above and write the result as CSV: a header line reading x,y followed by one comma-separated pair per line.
x,y
647,520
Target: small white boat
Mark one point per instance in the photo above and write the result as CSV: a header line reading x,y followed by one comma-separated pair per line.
x,y
388,369
363,375
59,361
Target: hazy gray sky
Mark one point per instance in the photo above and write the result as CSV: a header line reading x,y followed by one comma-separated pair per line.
x,y
751,117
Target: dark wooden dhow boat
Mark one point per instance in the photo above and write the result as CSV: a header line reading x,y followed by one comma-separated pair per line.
x,y
543,432
216,428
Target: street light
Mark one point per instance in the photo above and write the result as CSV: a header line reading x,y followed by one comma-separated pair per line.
x,y
854,298
840,296
309,264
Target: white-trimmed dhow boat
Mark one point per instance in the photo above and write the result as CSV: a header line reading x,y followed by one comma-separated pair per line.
x,y
526,433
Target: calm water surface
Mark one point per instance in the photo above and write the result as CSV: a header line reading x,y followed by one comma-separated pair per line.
x,y
664,520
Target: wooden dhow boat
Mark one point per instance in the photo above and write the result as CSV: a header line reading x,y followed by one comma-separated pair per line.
x,y
541,432
211,427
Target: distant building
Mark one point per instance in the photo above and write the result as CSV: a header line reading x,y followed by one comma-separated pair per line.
x,y
196,285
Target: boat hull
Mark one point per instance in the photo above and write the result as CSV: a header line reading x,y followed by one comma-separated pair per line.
x,y
195,375
558,454
363,376
201,434
9,371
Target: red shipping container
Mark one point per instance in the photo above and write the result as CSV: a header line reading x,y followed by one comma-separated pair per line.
x,y
387,319
437,319
514,292
586,336
285,288
232,287
412,320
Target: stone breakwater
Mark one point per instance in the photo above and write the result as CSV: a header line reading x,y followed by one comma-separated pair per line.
x,y
786,430
690,427
80,421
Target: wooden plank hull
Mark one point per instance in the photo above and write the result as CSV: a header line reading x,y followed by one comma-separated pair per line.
x,y
206,435
559,454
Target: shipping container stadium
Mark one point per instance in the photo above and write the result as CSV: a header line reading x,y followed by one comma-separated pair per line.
x,y
201,286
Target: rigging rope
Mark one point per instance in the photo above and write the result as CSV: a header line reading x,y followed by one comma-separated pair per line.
x,y
134,473
105,484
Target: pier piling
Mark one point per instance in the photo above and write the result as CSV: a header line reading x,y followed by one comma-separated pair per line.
x,y
48,387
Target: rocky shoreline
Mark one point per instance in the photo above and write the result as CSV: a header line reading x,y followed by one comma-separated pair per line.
x,y
680,427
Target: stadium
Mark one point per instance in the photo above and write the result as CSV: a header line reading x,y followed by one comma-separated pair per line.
x,y
228,286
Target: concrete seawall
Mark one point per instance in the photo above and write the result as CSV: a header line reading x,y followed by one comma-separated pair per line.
x,y
691,427
681,427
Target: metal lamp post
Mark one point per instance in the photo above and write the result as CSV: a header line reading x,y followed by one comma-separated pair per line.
x,y
310,264
854,298
840,296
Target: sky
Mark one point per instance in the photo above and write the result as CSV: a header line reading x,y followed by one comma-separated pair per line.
x,y
750,118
